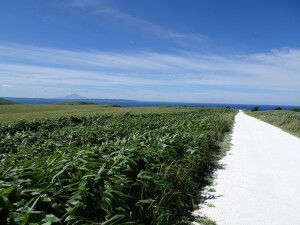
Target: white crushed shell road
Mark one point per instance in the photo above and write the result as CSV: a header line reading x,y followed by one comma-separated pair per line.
x,y
259,179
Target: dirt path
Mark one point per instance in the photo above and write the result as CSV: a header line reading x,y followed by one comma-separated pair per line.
x,y
259,179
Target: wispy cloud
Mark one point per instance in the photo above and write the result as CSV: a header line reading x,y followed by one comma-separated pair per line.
x,y
134,22
194,37
275,73
6,86
81,3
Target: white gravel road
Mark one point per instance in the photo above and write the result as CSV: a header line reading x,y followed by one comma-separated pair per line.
x,y
259,182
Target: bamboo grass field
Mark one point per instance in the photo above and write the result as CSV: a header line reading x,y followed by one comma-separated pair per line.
x,y
130,168
18,112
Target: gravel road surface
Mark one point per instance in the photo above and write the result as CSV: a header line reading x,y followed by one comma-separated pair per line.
x,y
258,182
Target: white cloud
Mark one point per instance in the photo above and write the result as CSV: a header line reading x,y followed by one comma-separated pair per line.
x,y
275,73
81,3
6,86
134,22
194,37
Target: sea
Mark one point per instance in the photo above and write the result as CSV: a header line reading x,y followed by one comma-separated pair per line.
x,y
133,103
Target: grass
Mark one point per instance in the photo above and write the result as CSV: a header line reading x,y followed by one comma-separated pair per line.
x,y
225,144
205,221
109,169
211,189
6,102
27,112
286,120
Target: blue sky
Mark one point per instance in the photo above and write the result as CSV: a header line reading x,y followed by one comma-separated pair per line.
x,y
216,51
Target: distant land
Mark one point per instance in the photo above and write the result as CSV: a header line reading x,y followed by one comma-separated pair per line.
x,y
134,103
38,101
6,102
73,96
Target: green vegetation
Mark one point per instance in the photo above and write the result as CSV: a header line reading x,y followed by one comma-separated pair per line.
x,y
118,106
205,221
295,109
18,112
6,102
75,103
255,109
287,120
277,108
108,169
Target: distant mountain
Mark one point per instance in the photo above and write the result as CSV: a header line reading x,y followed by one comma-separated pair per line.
x,y
73,96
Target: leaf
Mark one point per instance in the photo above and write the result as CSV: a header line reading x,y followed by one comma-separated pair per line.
x,y
33,217
55,207
60,172
101,169
37,188
71,217
36,214
47,223
50,218
145,201
5,203
113,220
10,193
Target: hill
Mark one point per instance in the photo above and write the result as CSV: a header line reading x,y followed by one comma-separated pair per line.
x,y
6,102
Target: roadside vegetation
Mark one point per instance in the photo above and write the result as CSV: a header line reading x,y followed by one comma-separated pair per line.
x,y
295,109
109,169
287,120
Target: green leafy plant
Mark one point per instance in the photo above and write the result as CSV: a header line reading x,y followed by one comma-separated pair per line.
x,y
108,169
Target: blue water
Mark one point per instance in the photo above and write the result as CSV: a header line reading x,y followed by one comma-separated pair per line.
x,y
131,103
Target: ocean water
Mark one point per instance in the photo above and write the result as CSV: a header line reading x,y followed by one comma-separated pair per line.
x,y
131,103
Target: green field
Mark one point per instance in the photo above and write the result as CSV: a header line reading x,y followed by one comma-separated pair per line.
x,y
18,112
287,120
145,168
